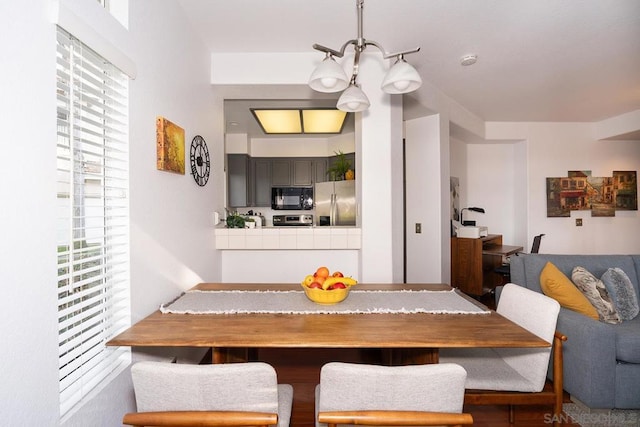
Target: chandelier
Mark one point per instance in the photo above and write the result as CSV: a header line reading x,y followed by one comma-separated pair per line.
x,y
330,77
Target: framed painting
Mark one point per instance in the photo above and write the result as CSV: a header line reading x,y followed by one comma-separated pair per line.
x,y
170,146
556,204
603,196
625,186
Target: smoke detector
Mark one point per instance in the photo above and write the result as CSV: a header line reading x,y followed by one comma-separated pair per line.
x,y
468,59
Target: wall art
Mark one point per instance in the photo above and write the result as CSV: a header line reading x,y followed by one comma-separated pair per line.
x,y
170,146
603,196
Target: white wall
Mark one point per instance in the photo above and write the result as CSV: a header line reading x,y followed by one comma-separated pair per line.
x,y
423,152
379,179
171,228
285,266
490,184
28,319
551,150
172,237
289,147
302,147
237,143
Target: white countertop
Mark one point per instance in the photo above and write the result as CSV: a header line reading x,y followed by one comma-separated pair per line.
x,y
288,237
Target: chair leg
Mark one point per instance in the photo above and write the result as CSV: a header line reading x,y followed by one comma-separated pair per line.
x,y
558,375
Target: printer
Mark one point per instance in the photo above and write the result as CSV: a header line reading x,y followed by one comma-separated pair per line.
x,y
470,231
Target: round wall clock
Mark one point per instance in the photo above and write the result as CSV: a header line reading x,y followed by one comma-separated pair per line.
x,y
200,163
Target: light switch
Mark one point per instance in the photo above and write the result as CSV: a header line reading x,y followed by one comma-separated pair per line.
x,y
418,228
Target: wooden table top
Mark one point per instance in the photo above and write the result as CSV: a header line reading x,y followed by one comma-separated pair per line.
x,y
401,331
503,250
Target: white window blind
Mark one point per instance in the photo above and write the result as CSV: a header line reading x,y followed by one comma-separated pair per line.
x,y
93,218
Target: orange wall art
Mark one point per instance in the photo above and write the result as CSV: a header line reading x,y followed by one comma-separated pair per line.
x,y
170,146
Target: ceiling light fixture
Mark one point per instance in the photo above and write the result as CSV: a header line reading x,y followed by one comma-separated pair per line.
x,y
330,77
300,120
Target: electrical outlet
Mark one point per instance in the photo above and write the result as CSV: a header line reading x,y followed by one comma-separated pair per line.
x,y
418,228
578,222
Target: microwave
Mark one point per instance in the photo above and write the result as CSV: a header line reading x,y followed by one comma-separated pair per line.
x,y
291,198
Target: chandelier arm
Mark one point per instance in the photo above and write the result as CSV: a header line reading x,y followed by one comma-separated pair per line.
x,y
356,66
403,52
336,53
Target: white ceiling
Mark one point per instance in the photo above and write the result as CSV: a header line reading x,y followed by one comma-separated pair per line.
x,y
538,60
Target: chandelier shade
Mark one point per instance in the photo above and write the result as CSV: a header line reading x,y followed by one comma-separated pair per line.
x,y
353,100
330,77
401,78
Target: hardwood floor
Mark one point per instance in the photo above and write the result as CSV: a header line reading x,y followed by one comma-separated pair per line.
x,y
301,369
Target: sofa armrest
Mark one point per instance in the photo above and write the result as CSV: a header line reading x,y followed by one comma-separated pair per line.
x,y
589,359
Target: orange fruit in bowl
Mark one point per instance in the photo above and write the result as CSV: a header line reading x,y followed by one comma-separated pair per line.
x,y
322,272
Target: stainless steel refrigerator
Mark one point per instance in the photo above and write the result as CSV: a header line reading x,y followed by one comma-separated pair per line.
x,y
335,203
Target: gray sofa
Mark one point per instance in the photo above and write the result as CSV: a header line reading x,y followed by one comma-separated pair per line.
x,y
601,360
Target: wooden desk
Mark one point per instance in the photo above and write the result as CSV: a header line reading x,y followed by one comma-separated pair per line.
x,y
413,338
473,262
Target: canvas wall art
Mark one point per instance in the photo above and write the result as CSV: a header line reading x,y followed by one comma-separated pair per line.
x,y
603,196
170,146
454,197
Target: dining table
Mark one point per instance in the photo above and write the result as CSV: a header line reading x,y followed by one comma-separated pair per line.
x,y
405,334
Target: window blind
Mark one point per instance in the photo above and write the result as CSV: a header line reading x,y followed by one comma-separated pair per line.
x,y
93,218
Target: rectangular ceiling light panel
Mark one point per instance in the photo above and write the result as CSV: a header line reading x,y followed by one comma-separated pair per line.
x,y
279,121
300,121
323,121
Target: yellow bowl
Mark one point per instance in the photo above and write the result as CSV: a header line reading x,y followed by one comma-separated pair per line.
x,y
326,297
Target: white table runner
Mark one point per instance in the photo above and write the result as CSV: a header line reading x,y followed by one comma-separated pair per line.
x,y
296,302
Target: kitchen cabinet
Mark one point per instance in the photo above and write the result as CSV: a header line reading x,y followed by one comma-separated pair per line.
x,y
298,171
280,172
238,180
319,170
250,178
261,182
302,172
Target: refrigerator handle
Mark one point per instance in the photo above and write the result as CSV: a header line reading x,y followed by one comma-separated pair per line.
x,y
333,211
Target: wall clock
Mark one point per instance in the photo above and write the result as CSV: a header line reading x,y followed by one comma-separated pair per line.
x,y
200,163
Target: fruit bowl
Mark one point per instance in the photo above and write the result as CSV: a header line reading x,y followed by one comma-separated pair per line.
x,y
326,297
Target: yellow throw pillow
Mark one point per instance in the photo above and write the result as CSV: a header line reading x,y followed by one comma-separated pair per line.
x,y
557,285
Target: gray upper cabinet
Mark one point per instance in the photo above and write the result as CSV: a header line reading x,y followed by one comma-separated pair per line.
x,y
262,182
302,172
238,176
298,171
319,170
280,172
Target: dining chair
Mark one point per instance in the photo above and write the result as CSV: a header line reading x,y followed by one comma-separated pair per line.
x,y
516,376
363,394
231,394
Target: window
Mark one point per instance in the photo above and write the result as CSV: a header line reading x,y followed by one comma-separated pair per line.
x,y
93,218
